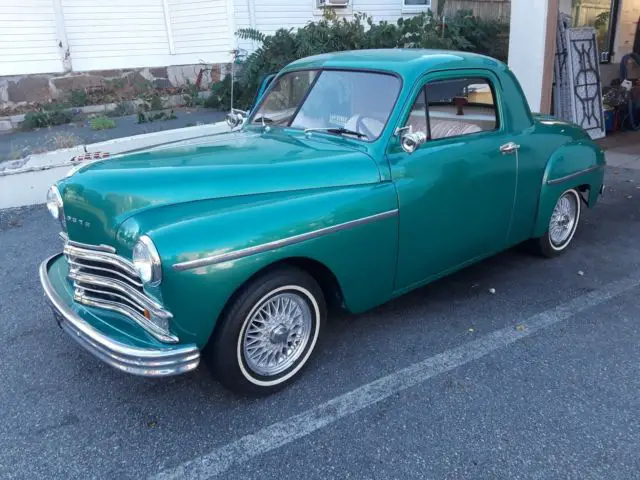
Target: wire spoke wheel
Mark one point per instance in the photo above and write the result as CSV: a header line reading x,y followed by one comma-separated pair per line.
x,y
277,333
563,222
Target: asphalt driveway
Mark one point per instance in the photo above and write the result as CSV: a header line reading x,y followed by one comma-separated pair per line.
x,y
540,379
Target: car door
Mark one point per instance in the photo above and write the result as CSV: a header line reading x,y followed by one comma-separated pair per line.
x,y
456,191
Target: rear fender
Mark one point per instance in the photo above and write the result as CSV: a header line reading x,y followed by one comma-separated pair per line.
x,y
576,165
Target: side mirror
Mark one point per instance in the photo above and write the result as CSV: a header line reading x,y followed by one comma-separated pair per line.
x,y
411,141
235,118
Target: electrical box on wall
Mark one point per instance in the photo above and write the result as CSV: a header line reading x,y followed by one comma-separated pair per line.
x,y
332,3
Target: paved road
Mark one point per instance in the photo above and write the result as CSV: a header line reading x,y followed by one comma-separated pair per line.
x,y
539,380
21,144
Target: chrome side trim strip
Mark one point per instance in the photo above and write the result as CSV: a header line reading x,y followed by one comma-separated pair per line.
x,y
573,175
87,246
265,247
149,362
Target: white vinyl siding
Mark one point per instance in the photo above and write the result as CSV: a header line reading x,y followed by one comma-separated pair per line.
x,y
147,33
201,26
114,34
28,37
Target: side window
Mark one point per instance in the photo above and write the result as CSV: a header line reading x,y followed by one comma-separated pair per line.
x,y
460,107
418,117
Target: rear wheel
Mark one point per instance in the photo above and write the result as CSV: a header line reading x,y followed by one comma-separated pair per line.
x,y
562,225
269,332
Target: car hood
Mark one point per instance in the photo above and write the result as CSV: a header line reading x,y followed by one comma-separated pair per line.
x,y
102,195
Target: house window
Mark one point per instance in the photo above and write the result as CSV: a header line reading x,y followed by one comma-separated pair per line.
x,y
415,5
601,15
340,7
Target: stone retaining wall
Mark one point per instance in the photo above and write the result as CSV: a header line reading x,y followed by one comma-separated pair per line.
x,y
25,90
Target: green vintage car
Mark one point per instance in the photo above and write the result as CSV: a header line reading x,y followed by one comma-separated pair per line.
x,y
357,177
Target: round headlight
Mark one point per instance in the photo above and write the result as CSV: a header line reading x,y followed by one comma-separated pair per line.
x,y
54,202
147,261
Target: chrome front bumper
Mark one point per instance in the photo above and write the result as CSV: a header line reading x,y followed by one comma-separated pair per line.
x,y
149,362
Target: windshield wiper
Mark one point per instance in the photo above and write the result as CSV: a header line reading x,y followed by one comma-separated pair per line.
x,y
336,130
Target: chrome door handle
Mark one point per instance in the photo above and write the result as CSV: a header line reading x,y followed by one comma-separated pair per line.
x,y
509,148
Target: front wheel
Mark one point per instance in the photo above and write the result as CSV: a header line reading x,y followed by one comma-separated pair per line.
x,y
562,225
269,332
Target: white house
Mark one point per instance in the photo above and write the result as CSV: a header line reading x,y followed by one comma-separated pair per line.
x,y
63,36
48,47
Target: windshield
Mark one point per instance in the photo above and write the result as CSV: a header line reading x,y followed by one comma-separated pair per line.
x,y
340,101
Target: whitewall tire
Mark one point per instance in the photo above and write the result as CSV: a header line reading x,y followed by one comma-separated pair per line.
x,y
268,332
563,224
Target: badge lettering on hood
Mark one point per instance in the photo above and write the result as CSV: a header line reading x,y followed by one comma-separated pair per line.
x,y
82,223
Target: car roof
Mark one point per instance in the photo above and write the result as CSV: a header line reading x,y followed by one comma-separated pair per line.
x,y
409,63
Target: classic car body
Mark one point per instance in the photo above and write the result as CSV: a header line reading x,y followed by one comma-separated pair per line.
x,y
367,219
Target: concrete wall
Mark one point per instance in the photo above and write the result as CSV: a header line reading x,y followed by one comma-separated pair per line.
x,y
528,49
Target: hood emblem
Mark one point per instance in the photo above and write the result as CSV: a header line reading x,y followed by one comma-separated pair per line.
x,y
81,223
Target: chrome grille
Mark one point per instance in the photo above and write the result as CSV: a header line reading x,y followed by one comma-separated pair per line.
x,y
103,279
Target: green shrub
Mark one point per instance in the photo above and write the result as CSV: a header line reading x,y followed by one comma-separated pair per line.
x,y
123,108
152,101
101,123
191,95
150,117
46,118
463,31
78,98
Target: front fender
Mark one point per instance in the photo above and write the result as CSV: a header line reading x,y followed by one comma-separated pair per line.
x,y
574,165
362,257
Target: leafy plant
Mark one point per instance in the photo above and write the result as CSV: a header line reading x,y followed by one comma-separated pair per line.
x,y
463,31
46,118
78,98
149,117
116,83
191,95
602,20
101,123
122,109
152,101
